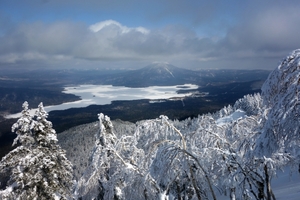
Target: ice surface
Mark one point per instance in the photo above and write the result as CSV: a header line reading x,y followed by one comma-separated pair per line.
x,y
105,94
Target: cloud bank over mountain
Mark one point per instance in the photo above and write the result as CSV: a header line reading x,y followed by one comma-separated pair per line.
x,y
192,35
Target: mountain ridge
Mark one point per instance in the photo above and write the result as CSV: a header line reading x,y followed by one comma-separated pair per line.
x,y
156,74
165,74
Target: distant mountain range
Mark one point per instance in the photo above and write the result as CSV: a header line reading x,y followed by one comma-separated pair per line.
x,y
162,74
155,74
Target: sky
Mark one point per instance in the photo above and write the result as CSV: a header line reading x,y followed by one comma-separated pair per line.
x,y
130,34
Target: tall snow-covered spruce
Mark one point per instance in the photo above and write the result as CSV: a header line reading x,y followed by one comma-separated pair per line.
x,y
38,167
279,142
281,94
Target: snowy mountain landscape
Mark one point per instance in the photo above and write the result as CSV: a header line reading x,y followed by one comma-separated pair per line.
x,y
82,94
248,150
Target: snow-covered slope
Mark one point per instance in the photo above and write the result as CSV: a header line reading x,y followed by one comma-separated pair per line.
x,y
79,141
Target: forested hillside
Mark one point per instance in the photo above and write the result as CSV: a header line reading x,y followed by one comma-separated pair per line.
x,y
82,142
234,153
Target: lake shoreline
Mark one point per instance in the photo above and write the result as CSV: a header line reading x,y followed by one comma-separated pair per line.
x,y
106,94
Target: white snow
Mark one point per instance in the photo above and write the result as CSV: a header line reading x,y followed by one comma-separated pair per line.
x,y
286,185
238,114
169,72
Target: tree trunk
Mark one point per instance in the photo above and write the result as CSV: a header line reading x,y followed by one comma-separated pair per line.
x,y
145,194
178,190
261,188
194,183
232,193
270,194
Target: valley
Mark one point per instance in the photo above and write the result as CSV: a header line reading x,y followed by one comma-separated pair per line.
x,y
222,86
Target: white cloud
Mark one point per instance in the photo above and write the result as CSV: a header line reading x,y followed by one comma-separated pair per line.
x,y
269,30
263,35
123,29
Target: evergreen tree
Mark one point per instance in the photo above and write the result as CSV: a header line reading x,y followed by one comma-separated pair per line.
x,y
38,167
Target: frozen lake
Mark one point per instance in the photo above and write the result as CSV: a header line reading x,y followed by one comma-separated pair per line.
x,y
105,94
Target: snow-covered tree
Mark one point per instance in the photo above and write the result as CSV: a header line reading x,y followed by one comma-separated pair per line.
x,y
98,172
186,159
116,169
279,141
38,167
280,94
251,104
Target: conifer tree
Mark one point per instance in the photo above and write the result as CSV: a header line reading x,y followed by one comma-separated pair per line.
x,y
38,167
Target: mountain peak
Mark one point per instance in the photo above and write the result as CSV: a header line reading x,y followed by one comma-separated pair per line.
x,y
161,69
159,73
160,64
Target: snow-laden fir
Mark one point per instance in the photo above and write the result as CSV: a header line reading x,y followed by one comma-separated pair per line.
x,y
236,153
38,166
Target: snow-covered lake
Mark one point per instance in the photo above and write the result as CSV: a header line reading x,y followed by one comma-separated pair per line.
x,y
105,94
